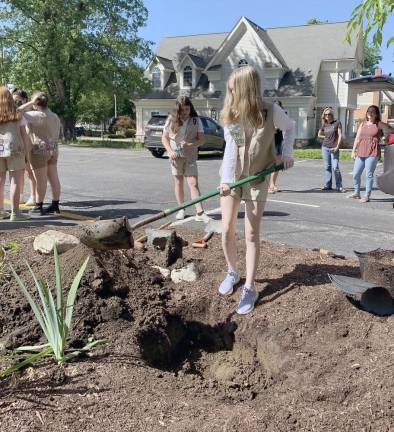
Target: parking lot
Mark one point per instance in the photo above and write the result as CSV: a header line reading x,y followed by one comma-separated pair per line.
x,y
109,183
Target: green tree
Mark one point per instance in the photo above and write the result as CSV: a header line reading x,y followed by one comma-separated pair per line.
x,y
372,58
370,16
76,50
316,21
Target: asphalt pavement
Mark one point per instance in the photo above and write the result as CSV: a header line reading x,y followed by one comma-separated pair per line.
x,y
109,183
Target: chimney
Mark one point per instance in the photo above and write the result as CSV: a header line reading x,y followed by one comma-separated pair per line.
x,y
378,72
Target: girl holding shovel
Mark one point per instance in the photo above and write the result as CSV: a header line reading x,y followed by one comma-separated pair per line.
x,y
249,130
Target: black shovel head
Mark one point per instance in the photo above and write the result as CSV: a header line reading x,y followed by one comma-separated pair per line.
x,y
372,298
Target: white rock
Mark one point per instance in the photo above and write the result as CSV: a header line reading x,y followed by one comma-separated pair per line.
x,y
45,242
189,273
164,272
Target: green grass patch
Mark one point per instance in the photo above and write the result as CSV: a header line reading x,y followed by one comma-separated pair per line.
x,y
106,144
308,153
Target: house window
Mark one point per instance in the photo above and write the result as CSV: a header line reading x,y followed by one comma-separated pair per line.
x,y
156,78
187,76
242,62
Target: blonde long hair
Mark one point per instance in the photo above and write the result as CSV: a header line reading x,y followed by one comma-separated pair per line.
x,y
243,104
8,112
326,110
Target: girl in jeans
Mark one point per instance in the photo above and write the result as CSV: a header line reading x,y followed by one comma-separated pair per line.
x,y
249,130
331,133
366,151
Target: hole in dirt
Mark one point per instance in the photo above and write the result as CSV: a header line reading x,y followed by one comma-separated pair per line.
x,y
176,341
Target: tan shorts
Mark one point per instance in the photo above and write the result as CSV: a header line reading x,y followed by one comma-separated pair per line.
x,y
184,167
257,192
41,161
13,163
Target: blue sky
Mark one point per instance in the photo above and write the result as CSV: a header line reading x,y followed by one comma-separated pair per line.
x,y
176,17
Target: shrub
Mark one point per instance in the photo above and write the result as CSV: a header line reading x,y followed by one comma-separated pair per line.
x,y
122,123
129,133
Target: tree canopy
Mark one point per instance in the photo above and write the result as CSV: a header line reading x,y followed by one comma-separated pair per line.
x,y
80,52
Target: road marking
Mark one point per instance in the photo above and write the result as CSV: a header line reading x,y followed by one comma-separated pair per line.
x,y
295,203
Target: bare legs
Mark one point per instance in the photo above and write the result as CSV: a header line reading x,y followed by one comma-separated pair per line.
x,y
193,187
41,177
253,213
53,178
3,176
273,182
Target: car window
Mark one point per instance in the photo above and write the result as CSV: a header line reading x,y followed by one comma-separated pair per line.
x,y
158,121
204,122
211,124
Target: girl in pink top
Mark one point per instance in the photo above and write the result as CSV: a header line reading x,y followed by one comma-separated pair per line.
x,y
366,152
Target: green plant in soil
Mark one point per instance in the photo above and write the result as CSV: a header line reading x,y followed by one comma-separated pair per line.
x,y
54,317
9,247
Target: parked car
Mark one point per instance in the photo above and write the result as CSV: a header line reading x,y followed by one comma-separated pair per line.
x,y
79,131
214,137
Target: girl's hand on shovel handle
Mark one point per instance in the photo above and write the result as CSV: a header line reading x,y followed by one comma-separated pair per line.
x,y
288,163
224,189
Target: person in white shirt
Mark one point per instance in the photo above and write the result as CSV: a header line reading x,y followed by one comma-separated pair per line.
x,y
249,130
183,134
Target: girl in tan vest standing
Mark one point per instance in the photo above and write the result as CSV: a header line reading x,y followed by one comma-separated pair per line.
x,y
183,134
44,131
249,131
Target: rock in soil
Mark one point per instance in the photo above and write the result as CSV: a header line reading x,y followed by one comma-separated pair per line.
x,y
45,242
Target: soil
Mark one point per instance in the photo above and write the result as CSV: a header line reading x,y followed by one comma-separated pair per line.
x,y
180,359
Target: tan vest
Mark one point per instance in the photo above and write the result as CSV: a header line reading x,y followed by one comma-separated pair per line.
x,y
44,135
256,152
190,136
11,143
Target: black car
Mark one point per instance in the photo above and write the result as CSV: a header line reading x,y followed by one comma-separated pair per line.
x,y
214,139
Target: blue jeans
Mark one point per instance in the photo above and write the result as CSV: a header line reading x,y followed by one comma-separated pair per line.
x,y
331,162
369,163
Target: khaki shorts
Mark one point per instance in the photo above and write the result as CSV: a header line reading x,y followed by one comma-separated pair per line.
x,y
184,167
257,192
13,163
41,161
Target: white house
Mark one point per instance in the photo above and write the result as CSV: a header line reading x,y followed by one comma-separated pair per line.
x,y
305,67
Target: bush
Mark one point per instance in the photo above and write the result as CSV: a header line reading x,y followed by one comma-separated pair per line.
x,y
92,133
129,133
115,136
122,123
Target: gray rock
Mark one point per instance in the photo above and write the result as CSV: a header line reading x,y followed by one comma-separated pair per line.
x,y
189,273
45,242
158,238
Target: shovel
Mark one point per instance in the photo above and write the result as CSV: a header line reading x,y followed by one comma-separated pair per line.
x,y
118,233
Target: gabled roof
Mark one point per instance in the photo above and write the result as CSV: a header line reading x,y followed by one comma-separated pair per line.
x,y
199,62
167,63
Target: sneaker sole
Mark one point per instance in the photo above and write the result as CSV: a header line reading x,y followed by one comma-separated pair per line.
x,y
232,290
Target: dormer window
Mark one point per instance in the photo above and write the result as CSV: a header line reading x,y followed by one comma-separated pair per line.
x,y
187,76
242,62
156,78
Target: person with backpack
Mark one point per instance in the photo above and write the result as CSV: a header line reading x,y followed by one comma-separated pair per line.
x,y
13,148
183,134
43,131
20,97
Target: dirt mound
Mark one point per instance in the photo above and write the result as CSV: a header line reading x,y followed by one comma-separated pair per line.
x,y
181,360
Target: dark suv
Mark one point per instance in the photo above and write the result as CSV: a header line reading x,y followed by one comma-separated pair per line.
x,y
153,130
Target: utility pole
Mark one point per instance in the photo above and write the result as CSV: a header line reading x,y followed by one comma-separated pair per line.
x,y
116,108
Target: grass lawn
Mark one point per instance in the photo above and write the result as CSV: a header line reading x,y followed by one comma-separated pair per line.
x,y
106,144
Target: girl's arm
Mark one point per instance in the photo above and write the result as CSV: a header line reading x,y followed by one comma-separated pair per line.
x,y
339,137
200,137
355,144
288,127
320,134
165,139
385,128
25,139
229,164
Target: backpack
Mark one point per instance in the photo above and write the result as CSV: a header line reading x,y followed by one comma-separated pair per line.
x,y
10,139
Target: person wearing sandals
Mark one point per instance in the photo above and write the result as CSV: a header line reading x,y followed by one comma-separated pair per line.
x,y
13,147
20,97
273,188
331,133
366,151
183,134
249,130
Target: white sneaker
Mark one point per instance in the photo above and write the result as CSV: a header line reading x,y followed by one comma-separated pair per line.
x,y
19,217
248,299
203,218
227,286
180,215
31,202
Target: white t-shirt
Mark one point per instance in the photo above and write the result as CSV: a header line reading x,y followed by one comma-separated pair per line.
x,y
180,137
